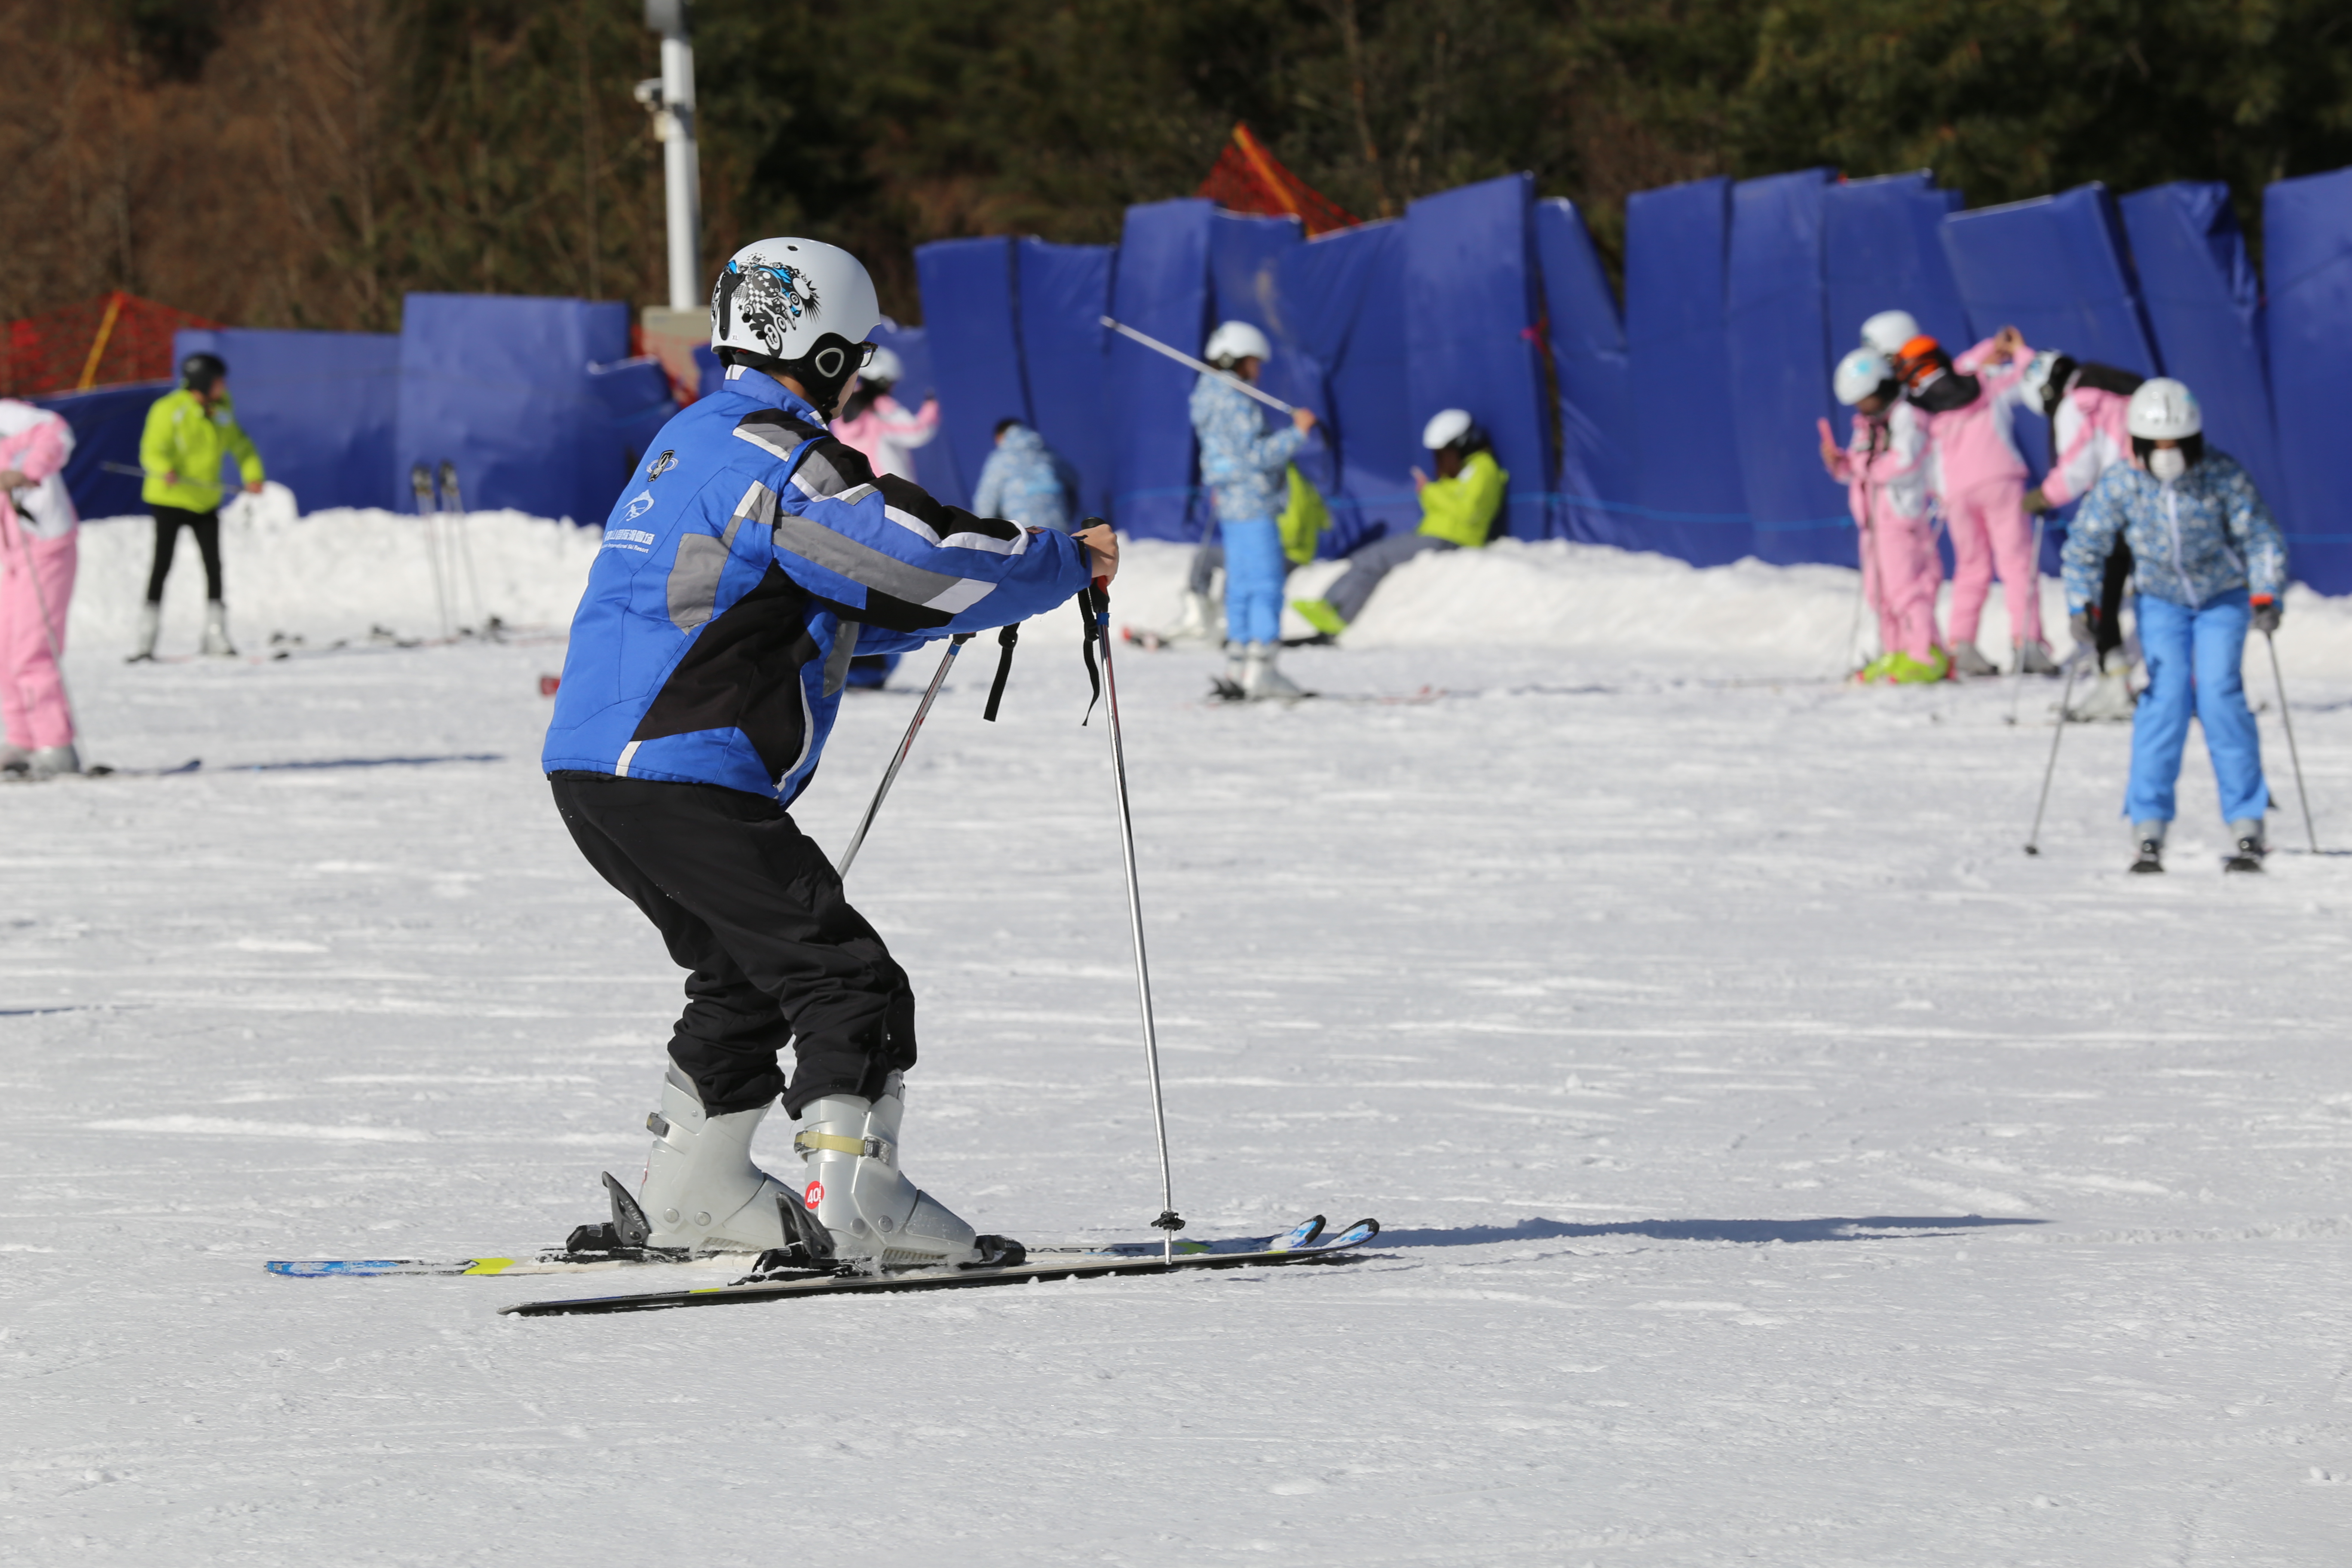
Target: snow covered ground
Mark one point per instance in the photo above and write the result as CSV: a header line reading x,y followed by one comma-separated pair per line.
x,y
1779,1167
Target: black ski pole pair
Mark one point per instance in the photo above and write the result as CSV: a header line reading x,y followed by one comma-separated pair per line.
x,y
1093,606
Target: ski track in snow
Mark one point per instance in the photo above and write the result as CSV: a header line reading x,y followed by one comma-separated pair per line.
x,y
1779,1167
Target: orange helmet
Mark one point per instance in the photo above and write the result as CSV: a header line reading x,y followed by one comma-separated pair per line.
x,y
1918,357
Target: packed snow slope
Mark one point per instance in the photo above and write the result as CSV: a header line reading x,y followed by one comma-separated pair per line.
x,y
1779,1167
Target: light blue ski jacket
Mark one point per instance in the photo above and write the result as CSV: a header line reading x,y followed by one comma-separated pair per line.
x,y
743,567
2205,533
1242,462
1025,481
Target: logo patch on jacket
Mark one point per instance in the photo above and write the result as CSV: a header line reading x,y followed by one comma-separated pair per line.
x,y
639,504
661,465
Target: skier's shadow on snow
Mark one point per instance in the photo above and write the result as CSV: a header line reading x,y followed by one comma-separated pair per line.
x,y
1867,1227
364,762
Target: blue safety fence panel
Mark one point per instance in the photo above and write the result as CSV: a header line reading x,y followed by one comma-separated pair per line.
x,y
968,312
2308,265
1594,489
511,390
2206,306
1245,254
1692,499
1776,320
1162,288
1338,294
1882,249
103,476
935,464
2059,269
637,400
321,408
1065,293
1470,331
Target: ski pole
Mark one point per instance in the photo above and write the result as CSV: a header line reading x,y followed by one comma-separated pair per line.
x,y
16,531
420,480
2016,687
1180,357
2286,718
2066,700
906,744
453,503
1096,600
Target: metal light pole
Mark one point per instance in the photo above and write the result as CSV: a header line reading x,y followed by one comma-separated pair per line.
x,y
670,100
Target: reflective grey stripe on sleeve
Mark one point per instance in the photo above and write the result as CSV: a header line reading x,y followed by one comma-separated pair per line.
x,y
694,577
836,663
621,768
869,567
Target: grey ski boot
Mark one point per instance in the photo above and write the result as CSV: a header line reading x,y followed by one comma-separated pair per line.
x,y
2247,833
48,761
876,1218
2149,837
150,621
701,1192
216,643
1966,660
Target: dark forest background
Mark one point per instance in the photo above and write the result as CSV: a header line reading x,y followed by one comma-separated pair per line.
x,y
304,162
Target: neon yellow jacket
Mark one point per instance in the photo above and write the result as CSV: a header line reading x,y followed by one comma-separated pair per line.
x,y
181,451
1462,508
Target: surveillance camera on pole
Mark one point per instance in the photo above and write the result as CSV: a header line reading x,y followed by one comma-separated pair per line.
x,y
670,100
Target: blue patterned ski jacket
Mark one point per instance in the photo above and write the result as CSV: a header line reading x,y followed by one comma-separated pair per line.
x,y
2205,533
1242,461
743,566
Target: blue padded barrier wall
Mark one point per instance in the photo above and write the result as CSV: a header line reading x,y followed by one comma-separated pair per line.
x,y
1469,316
1884,250
106,425
2056,269
1338,294
968,309
1596,475
637,400
2308,264
1776,320
935,464
2206,307
320,408
1245,254
1693,503
1161,288
500,385
1064,292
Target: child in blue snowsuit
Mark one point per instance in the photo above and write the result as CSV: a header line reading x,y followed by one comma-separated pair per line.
x,y
2210,562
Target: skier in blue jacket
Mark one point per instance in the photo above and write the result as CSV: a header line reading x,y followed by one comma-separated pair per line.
x,y
1246,469
745,564
2210,562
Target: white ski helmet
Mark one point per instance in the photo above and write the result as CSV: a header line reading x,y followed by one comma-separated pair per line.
x,y
2164,410
1446,427
1888,331
779,298
1860,373
1234,342
2038,374
883,369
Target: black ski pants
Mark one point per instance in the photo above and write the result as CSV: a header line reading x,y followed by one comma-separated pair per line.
x,y
205,526
755,911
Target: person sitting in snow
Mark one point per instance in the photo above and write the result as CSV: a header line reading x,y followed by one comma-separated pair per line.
x,y
1461,508
1026,482
2210,562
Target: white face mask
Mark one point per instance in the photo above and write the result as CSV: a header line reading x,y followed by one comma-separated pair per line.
x,y
2167,463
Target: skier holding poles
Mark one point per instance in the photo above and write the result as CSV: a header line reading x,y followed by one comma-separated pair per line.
x,y
2086,405
1884,467
37,579
2209,564
749,561
1245,466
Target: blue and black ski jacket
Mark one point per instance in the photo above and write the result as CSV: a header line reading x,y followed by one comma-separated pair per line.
x,y
747,562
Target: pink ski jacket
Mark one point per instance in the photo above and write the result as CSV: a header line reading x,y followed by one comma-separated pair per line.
x,y
1888,458
885,433
2090,437
1973,445
37,443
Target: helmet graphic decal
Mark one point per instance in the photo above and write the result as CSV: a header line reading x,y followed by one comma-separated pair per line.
x,y
771,299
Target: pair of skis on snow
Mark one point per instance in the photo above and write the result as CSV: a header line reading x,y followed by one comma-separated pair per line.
x,y
1304,1243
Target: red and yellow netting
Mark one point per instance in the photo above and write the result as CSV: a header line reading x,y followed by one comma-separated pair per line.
x,y
1249,179
114,338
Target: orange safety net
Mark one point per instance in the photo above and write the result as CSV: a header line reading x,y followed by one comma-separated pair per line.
x,y
1249,179
114,338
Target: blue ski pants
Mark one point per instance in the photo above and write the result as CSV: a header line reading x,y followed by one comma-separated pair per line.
x,y
2194,659
1255,569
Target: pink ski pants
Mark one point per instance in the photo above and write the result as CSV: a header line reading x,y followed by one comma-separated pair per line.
x,y
1989,527
1901,572
32,694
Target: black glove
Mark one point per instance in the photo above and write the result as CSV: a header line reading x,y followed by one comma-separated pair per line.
x,y
2035,502
2266,615
2084,623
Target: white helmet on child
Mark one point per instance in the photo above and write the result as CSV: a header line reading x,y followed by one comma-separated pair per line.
x,y
1860,373
1888,331
1446,427
2038,374
883,369
2164,410
1234,342
778,297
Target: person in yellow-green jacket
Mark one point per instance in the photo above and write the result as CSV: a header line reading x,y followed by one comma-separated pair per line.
x,y
187,434
1458,512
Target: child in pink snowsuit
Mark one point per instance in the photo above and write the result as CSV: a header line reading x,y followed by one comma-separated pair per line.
x,y
36,578
878,425
1884,467
1979,485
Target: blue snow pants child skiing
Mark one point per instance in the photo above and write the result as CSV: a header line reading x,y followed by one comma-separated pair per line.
x,y
2194,659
